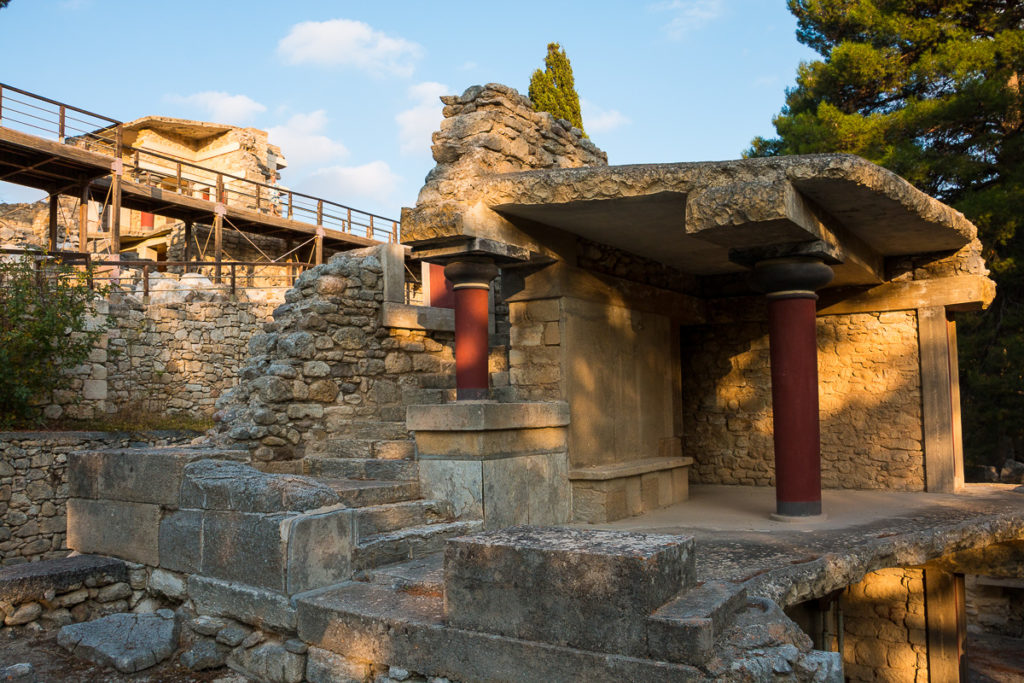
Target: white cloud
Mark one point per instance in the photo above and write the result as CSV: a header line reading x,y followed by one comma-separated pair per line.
x,y
689,15
598,120
303,142
344,42
349,184
221,107
467,66
415,125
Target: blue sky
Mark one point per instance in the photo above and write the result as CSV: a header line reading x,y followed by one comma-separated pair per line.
x,y
349,90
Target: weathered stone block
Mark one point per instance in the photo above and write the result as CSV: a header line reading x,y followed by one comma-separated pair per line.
x,y
532,489
179,540
250,605
269,662
319,550
33,580
127,642
684,630
120,529
572,587
139,475
323,666
221,485
243,547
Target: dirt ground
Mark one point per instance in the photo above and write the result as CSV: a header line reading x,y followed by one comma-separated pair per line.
x,y
995,659
53,664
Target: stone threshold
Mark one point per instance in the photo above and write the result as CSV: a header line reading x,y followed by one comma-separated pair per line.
x,y
409,317
628,469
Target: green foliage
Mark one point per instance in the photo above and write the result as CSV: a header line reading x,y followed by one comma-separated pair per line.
x,y
553,90
932,89
45,329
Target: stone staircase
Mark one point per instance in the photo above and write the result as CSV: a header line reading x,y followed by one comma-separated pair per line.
x,y
370,466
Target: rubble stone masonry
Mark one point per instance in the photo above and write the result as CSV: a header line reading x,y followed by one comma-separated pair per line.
x,y
869,393
171,358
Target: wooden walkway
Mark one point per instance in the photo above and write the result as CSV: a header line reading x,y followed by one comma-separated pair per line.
x,y
64,150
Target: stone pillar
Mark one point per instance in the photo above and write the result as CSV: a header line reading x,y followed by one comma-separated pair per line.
x,y
471,280
789,284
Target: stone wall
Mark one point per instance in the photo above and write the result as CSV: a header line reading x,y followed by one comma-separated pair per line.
x,y
885,637
168,358
34,486
535,353
327,374
995,605
869,392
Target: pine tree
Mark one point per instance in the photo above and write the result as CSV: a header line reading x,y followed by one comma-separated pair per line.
x,y
932,89
553,90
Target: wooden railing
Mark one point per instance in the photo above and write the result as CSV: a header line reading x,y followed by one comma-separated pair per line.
x,y
43,117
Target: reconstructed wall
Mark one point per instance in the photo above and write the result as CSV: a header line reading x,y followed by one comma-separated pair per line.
x,y
34,486
172,358
869,393
327,374
885,636
995,605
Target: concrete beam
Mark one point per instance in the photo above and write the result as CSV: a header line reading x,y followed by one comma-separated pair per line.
x,y
775,216
962,293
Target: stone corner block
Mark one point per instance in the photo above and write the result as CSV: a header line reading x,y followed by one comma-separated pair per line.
x,y
570,587
254,606
138,475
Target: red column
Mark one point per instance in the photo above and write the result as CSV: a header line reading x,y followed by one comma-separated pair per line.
x,y
790,284
471,281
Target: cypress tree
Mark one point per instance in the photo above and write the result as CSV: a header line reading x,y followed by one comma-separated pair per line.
x,y
553,90
932,89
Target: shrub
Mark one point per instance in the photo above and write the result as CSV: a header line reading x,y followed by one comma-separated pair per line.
x,y
46,328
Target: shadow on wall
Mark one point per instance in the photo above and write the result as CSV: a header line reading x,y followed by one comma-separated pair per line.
x,y
869,396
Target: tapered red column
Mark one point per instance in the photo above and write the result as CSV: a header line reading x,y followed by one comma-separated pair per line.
x,y
471,280
790,285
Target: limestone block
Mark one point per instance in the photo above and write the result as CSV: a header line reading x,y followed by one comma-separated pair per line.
x,y
244,547
478,416
250,605
221,485
319,550
127,642
116,528
532,489
570,587
500,442
140,475
179,540
459,482
94,390
168,585
33,580
323,666
269,662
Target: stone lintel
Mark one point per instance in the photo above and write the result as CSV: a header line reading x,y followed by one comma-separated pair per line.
x,y
628,469
572,587
409,317
752,217
442,231
486,416
961,293
455,251
561,280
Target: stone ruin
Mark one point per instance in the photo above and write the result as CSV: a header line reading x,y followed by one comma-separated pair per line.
x,y
354,517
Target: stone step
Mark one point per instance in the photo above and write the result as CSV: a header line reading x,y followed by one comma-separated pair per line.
x,y
423,575
380,430
362,468
380,519
408,543
684,630
379,449
356,493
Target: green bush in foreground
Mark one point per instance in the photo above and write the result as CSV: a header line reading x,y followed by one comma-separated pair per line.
x,y
46,328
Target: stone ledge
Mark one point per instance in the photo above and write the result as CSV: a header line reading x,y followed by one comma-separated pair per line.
x,y
485,416
628,469
408,317
31,581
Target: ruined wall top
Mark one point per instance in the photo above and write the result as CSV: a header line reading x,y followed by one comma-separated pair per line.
x,y
493,129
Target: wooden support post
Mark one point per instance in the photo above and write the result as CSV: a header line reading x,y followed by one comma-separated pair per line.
x,y
320,212
348,223
218,244
319,244
954,395
369,228
54,198
83,218
145,284
188,243
940,454
289,205
62,126
945,618
233,275
115,196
